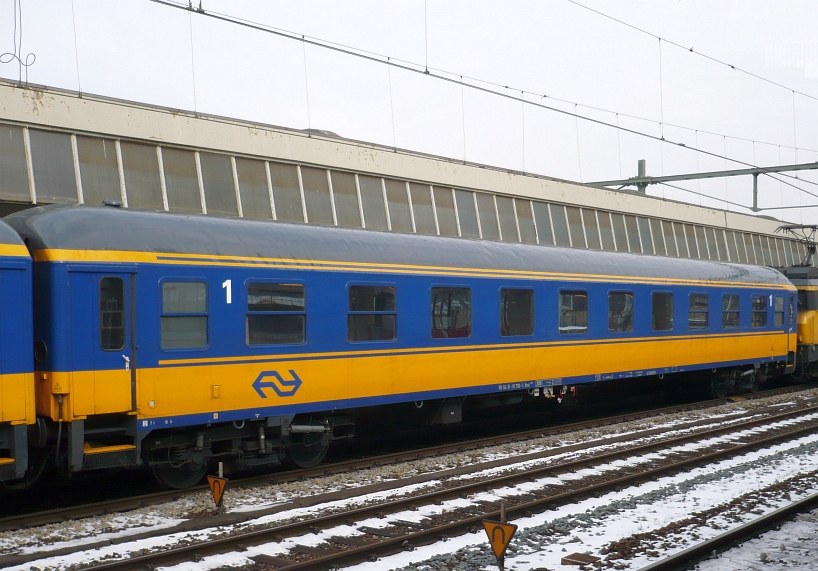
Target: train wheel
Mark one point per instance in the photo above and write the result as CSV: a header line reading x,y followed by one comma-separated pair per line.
x,y
40,463
307,452
720,387
179,477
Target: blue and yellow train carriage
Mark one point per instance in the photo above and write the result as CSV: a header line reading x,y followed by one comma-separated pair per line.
x,y
172,340
17,415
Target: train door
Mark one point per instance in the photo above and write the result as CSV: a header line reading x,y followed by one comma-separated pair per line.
x,y
102,338
791,321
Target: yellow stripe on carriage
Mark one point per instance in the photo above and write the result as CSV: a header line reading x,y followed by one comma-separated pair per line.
x,y
570,340
14,251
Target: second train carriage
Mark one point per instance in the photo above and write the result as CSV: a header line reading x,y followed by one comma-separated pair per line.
x,y
17,416
171,340
804,277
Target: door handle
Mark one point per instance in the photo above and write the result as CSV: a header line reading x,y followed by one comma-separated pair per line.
x,y
127,362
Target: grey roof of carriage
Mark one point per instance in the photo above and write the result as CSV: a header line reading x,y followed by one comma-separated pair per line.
x,y
78,227
8,235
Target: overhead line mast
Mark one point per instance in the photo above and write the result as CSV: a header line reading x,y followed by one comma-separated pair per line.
x,y
642,181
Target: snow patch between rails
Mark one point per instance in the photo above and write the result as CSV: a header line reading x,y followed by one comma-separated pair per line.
x,y
793,547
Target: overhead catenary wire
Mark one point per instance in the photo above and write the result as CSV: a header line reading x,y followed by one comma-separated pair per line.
x,y
437,74
781,186
795,142
306,84
399,63
702,195
192,62
726,182
744,206
76,50
619,145
691,50
352,50
463,116
661,116
579,159
426,33
698,180
661,96
391,107
522,109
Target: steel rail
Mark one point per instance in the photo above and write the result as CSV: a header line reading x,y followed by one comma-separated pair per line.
x,y
397,544
239,541
144,500
688,557
232,519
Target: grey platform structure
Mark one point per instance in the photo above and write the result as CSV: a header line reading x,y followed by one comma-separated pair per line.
x,y
60,147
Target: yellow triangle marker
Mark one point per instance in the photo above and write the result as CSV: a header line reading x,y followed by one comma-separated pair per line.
x,y
500,535
217,486
57,387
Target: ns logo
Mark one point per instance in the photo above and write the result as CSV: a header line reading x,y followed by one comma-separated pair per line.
x,y
273,380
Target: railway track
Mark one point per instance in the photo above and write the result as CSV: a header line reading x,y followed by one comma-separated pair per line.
x,y
40,518
687,558
342,551
370,543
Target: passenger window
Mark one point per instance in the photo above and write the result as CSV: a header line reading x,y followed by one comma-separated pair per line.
x,y
451,312
111,314
573,312
372,313
778,318
729,312
758,318
276,314
620,311
698,316
662,311
516,312
184,315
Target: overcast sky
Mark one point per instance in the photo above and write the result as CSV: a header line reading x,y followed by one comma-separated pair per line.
x,y
143,51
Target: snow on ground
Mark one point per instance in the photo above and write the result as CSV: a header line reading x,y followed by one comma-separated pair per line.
x,y
794,546
246,501
90,530
543,539
592,524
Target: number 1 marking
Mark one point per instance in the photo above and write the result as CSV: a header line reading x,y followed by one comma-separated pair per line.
x,y
228,285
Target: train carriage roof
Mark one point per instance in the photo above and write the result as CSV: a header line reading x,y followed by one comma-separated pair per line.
x,y
8,235
78,227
